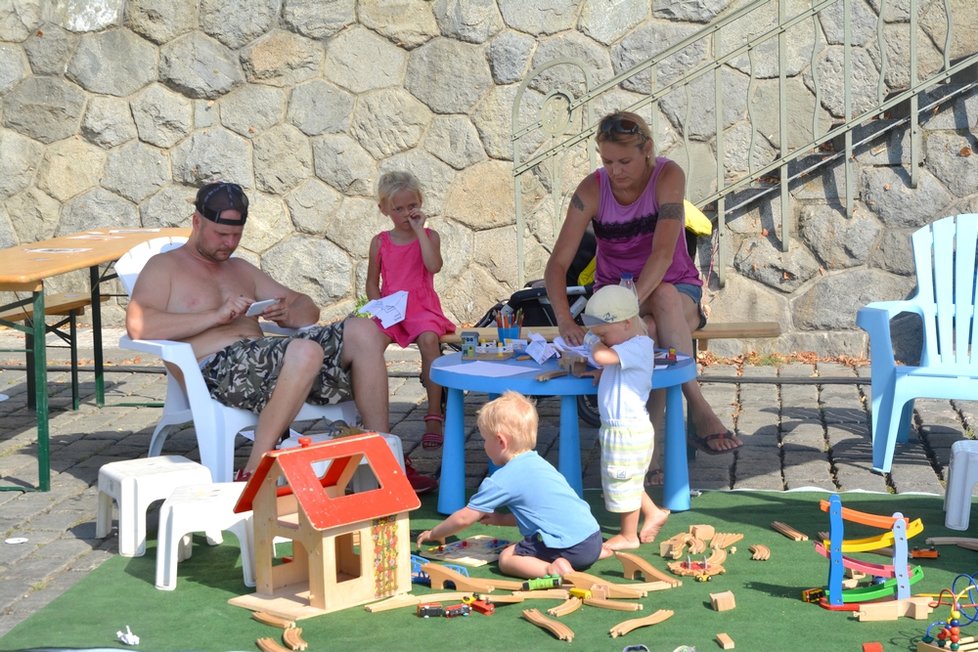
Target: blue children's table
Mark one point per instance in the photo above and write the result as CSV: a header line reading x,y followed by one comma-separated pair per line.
x,y
449,372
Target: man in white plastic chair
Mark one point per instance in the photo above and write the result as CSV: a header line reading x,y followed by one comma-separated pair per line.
x,y
200,294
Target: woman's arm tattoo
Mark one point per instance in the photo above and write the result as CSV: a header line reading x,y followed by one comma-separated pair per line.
x,y
672,211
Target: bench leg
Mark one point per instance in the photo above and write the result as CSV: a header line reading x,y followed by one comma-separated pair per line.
x,y
73,348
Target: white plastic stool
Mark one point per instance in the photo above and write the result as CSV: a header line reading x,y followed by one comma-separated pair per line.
x,y
362,479
136,484
962,477
201,508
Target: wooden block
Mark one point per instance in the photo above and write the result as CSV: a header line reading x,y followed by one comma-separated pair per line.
x,y
725,641
702,532
723,601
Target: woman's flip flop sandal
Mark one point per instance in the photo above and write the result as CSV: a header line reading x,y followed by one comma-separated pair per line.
x,y
703,443
432,440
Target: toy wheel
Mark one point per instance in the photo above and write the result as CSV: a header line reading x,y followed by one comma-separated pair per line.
x,y
587,409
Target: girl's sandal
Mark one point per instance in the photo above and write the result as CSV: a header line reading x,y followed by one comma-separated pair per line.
x,y
432,440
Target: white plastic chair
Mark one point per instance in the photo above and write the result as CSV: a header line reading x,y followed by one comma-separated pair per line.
x,y
216,425
946,261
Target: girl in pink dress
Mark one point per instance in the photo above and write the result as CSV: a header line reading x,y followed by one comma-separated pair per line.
x,y
407,258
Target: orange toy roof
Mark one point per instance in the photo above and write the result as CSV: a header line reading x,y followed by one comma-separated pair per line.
x,y
393,496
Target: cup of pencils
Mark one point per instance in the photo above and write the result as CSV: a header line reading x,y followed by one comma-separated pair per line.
x,y
508,326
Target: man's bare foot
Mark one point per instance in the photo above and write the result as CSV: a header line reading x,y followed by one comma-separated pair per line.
x,y
620,542
560,566
650,530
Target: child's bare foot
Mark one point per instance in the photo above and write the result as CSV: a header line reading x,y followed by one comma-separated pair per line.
x,y
650,530
620,542
560,566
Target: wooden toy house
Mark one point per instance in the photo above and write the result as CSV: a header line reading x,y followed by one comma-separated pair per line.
x,y
347,548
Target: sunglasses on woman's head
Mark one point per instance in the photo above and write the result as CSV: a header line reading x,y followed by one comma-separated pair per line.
x,y
619,125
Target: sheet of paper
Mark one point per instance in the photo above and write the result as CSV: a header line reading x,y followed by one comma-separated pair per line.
x,y
488,369
539,348
389,310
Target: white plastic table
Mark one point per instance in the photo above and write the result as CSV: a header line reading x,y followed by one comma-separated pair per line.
x,y
448,371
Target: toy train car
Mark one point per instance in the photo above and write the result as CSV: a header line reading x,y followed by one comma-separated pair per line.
x,y
430,610
482,605
813,595
542,583
456,610
925,553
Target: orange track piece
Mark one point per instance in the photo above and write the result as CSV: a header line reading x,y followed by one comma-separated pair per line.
x,y
872,520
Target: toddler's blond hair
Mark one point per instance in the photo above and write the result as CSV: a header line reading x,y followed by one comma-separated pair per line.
x,y
515,417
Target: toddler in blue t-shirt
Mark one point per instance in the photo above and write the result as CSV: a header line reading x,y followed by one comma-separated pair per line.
x,y
559,532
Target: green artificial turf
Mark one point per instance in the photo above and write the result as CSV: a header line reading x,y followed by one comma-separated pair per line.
x,y
769,613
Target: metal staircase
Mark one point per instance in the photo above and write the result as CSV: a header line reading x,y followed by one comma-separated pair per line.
x,y
766,95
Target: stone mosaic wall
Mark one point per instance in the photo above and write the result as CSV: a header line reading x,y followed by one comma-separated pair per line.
x,y
114,111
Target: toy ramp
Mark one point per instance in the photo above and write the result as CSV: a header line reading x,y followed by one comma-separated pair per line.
x,y
884,540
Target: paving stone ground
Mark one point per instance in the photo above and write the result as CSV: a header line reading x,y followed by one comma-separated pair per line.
x,y
803,424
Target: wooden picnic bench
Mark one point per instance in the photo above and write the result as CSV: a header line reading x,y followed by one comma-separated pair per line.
x,y
69,305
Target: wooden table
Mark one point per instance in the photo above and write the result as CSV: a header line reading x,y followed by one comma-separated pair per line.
x,y
447,371
25,267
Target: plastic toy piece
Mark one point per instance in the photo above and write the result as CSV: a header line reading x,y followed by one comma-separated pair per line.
x,y
723,601
789,531
925,553
725,641
634,565
874,646
293,639
616,605
558,629
570,605
760,552
627,626
966,643
897,576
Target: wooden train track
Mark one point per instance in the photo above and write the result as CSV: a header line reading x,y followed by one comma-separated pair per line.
x,y
760,552
292,637
267,644
617,605
273,620
725,539
441,574
633,565
588,581
655,618
568,606
557,628
789,531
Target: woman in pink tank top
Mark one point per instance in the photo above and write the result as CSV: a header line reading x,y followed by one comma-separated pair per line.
x,y
634,203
